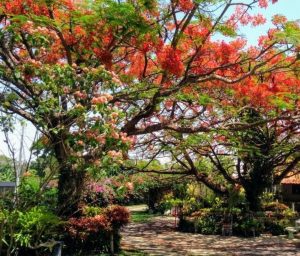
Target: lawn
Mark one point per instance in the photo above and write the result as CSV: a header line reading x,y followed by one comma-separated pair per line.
x,y
128,253
142,216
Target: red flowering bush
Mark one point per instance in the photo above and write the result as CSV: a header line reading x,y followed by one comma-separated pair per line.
x,y
94,232
117,215
81,228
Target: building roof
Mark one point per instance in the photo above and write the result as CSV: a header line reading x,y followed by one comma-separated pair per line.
x,y
7,184
291,180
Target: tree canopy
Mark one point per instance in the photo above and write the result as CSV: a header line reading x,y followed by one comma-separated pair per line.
x,y
100,77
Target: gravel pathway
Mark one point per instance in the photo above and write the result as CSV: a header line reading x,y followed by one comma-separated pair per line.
x,y
158,237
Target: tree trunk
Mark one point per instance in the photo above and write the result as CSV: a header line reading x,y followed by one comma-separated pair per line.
x,y
70,188
253,198
70,182
254,191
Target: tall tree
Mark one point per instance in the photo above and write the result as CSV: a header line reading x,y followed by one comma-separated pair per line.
x,y
255,154
88,74
261,155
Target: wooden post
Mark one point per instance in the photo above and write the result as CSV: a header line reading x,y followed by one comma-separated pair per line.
x,y
175,214
112,250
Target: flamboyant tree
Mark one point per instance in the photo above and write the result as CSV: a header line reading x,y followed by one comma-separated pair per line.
x,y
254,158
58,76
93,76
263,154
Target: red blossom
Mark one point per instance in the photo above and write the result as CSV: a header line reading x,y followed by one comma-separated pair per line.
x,y
105,57
279,19
258,20
263,3
185,5
170,60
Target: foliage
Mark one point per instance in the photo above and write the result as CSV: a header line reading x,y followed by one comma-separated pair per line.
x,y
32,194
91,211
93,233
6,169
119,189
109,82
275,206
45,164
247,224
98,194
94,75
117,216
26,231
208,225
189,197
275,228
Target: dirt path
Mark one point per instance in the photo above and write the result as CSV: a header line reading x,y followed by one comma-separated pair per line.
x,y
158,237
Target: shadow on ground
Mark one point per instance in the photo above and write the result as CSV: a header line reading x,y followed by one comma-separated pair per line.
x,y
159,237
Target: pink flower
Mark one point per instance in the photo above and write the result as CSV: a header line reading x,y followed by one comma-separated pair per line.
x,y
115,135
129,186
99,100
80,143
278,19
101,139
258,20
263,3
114,154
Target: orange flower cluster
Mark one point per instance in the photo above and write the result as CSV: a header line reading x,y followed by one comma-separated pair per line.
x,y
102,99
185,5
170,60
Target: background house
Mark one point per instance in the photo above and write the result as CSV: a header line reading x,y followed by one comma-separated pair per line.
x,y
7,187
290,191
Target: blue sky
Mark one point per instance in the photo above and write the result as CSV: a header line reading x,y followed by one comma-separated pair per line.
x,y
288,8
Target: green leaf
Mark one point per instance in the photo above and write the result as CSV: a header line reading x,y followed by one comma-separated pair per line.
x,y
204,99
226,30
17,74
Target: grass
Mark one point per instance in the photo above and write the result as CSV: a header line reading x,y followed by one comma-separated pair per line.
x,y
132,253
141,217
127,253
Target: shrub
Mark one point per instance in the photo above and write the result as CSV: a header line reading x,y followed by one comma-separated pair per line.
x,y
93,233
27,231
208,225
274,227
117,215
275,206
91,211
83,228
87,234
209,220
187,225
31,194
99,195
204,222
248,226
